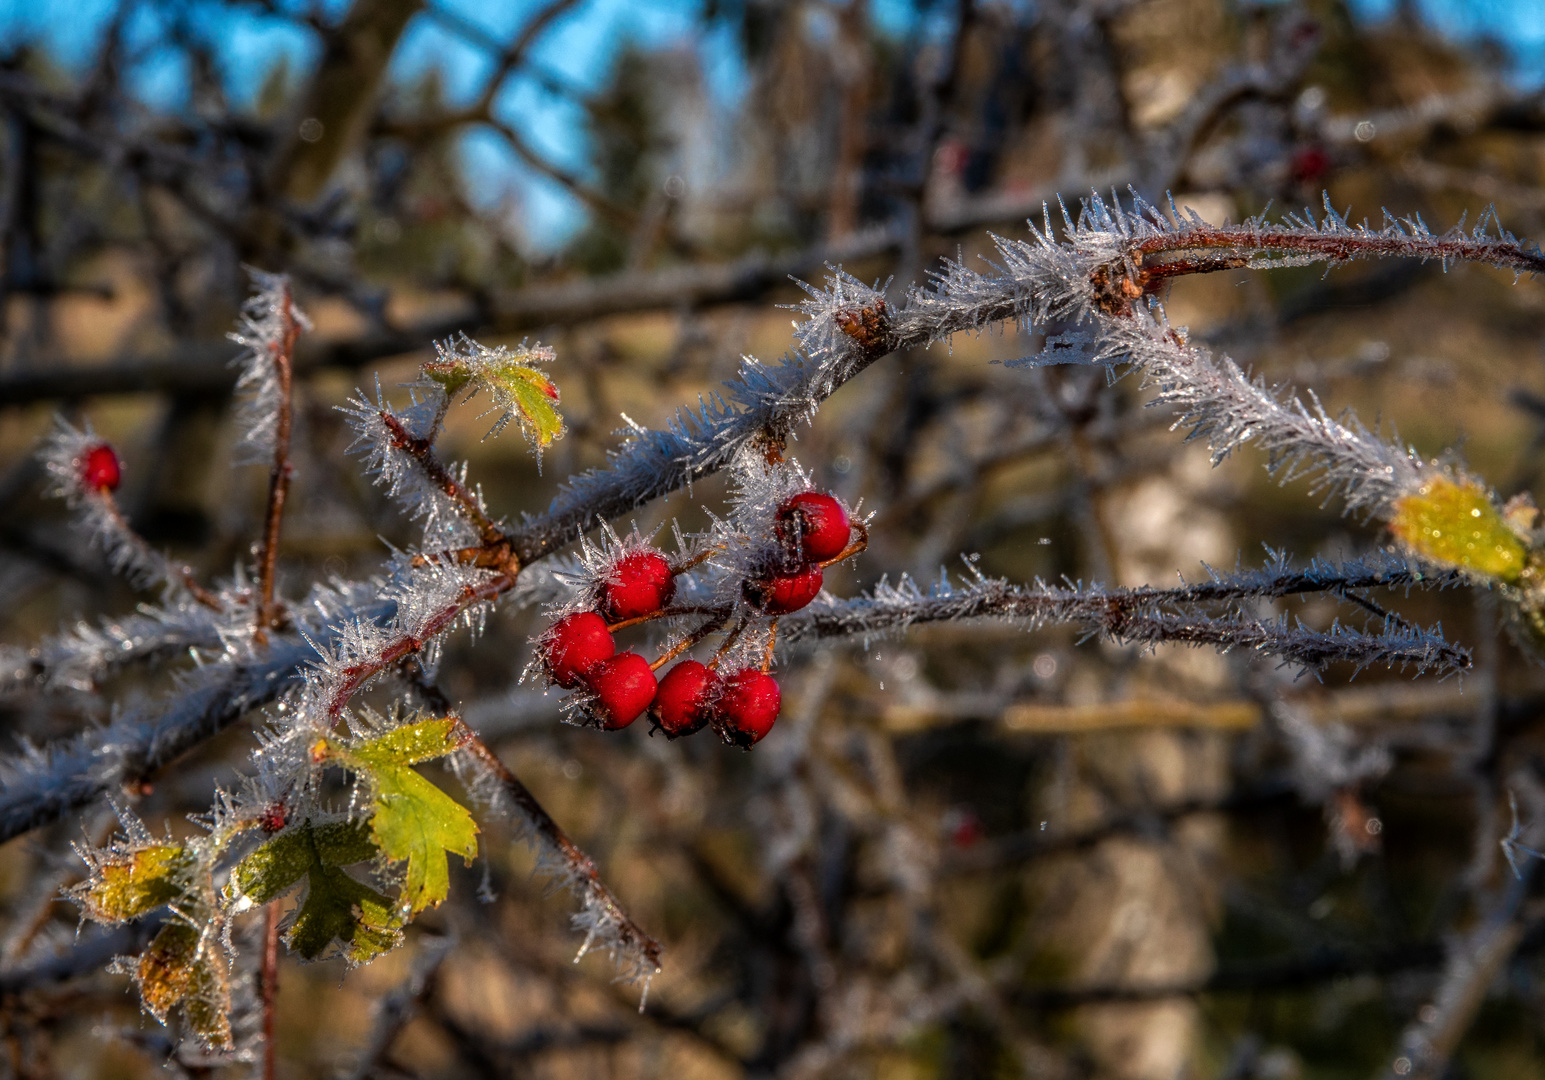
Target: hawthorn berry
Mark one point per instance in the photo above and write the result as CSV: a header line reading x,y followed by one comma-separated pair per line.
x,y
783,593
273,818
816,522
99,469
1310,164
640,583
624,687
747,707
574,645
686,698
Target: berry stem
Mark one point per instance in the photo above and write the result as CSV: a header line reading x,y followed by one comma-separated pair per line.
x,y
696,560
268,613
669,613
853,548
690,640
729,641
772,641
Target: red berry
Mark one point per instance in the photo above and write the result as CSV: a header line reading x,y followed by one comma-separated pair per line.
x,y
640,583
273,818
965,828
748,706
686,698
574,645
99,469
820,524
1310,164
624,687
784,593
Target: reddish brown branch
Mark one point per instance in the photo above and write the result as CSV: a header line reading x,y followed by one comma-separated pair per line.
x,y
356,675
1332,247
853,548
269,985
581,868
269,615
422,451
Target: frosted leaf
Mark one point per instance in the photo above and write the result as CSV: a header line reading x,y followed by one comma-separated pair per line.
x,y
520,390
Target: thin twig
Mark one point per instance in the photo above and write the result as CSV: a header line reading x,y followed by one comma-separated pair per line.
x,y
422,451
172,570
690,640
580,864
356,675
283,352
269,985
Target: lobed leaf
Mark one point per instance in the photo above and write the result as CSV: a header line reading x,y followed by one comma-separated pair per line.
x,y
338,914
185,966
127,884
340,909
276,867
415,822
518,387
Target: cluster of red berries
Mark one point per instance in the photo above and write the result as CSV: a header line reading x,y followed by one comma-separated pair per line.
x,y
812,529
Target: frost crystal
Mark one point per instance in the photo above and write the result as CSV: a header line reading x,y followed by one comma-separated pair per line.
x,y
266,320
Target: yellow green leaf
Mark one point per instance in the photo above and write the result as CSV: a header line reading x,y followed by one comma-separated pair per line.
x,y
1457,523
415,822
521,391
533,396
411,744
127,884
185,966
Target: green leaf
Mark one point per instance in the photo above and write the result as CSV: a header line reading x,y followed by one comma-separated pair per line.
x,y
338,914
126,884
412,744
339,909
184,966
1458,524
276,867
532,394
415,822
518,387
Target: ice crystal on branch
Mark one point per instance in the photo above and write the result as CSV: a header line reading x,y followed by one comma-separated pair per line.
x,y
67,459
1151,616
269,322
393,446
